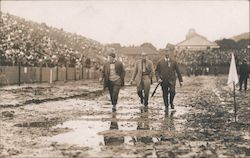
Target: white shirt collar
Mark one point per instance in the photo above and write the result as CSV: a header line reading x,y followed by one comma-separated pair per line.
x,y
167,59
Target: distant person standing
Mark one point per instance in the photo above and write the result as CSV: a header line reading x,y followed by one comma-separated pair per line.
x,y
244,74
113,76
166,71
143,74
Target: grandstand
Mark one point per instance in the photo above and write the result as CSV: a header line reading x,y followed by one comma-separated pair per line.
x,y
34,44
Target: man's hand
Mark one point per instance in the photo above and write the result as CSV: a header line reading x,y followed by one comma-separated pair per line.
x,y
130,82
181,84
159,80
100,79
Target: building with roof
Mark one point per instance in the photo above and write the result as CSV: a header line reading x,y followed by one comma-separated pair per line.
x,y
195,41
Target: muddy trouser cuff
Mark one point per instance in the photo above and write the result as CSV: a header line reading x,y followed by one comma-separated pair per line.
x,y
139,93
146,82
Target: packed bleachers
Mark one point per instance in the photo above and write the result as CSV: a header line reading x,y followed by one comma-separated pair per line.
x,y
33,44
216,57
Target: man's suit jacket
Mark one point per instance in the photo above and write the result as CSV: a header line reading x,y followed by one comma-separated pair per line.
x,y
137,74
167,70
119,69
244,71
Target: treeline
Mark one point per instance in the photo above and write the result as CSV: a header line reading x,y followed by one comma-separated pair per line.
x,y
231,44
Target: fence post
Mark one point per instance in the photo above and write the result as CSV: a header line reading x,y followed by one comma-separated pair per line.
x,y
57,72
82,71
66,72
19,73
50,75
41,72
75,72
87,69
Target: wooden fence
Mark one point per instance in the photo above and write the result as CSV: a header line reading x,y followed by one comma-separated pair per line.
x,y
19,75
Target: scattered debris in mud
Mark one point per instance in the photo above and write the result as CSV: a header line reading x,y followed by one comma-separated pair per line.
x,y
202,126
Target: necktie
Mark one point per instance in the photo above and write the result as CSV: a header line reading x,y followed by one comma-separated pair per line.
x,y
143,66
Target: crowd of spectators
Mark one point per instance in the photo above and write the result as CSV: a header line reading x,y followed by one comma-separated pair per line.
x,y
212,57
209,61
31,44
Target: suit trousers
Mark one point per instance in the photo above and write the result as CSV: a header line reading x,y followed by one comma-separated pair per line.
x,y
167,89
114,88
144,87
243,80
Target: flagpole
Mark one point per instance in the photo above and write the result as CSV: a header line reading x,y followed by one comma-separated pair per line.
x,y
235,109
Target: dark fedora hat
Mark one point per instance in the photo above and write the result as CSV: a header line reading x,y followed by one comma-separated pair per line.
x,y
112,55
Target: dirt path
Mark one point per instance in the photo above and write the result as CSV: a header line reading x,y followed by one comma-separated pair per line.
x,y
202,125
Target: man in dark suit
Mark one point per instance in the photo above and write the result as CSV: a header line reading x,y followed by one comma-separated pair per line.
x,y
244,74
113,76
143,74
165,72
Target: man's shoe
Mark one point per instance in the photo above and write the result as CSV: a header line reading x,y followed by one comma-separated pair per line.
x,y
166,108
141,100
172,110
114,108
172,106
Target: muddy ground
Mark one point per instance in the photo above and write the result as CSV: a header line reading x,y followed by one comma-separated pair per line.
x,y
77,125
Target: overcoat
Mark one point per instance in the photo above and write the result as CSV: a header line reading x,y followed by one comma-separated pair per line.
x,y
167,70
137,74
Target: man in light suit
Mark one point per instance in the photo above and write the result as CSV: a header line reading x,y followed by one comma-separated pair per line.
x,y
142,75
113,77
165,72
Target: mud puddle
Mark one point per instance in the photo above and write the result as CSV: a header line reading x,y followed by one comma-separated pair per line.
x,y
127,127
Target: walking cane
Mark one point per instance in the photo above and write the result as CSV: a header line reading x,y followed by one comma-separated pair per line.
x,y
155,89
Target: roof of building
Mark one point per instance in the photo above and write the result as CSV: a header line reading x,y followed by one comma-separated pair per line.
x,y
137,51
195,39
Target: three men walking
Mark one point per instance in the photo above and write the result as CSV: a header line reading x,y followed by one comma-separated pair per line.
x,y
166,70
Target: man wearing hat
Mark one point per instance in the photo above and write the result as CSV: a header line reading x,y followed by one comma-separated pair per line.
x,y
143,74
113,76
165,72
244,73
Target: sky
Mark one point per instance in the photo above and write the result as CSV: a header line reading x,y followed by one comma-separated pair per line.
x,y
135,22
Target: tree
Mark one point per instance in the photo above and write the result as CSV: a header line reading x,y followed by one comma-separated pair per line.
x,y
243,43
227,43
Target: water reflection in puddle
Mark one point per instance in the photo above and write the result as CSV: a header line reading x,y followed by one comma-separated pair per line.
x,y
119,129
84,133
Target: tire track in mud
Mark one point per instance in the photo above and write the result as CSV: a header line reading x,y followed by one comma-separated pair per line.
x,y
58,98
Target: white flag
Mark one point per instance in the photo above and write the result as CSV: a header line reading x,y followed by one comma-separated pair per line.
x,y
233,76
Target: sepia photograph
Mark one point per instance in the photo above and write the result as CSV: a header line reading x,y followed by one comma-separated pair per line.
x,y
125,78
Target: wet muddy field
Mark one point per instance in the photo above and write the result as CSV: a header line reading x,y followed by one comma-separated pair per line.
x,y
203,124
